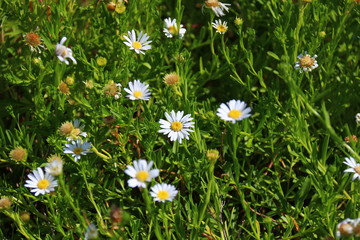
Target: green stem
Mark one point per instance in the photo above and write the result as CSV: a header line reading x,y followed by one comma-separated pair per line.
x,y
71,201
91,197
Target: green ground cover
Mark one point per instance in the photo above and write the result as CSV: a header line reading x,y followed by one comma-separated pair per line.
x,y
237,120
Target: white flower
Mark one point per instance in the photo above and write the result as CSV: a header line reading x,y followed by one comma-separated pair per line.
x,y
141,173
357,117
217,7
63,52
162,192
139,44
234,110
171,29
77,148
54,168
345,228
354,167
91,232
138,90
221,27
176,126
40,183
306,63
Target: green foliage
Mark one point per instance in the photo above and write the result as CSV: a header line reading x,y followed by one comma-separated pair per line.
x,y
280,172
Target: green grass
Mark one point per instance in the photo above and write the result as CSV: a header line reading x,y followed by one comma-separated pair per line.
x,y
280,171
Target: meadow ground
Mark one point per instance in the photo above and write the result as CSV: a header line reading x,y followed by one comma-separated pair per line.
x,y
179,119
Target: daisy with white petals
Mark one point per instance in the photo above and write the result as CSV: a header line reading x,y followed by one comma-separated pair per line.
x,y
176,126
217,7
140,173
221,27
54,168
138,90
137,44
162,192
40,183
306,63
77,148
354,167
234,110
171,29
357,118
63,52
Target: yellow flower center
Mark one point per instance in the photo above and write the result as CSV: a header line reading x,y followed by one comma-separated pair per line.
x,y
172,30
163,195
221,28
235,114
176,126
136,45
78,150
212,3
138,94
357,169
142,175
43,184
306,61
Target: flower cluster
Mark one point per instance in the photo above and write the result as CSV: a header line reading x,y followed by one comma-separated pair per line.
x,y
141,173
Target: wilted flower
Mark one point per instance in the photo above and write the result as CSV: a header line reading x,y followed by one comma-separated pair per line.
x,y
63,52
212,155
18,154
306,63
137,44
162,192
171,78
63,87
347,228
34,41
40,183
176,126
171,29
112,89
72,130
5,202
234,110
217,6
140,173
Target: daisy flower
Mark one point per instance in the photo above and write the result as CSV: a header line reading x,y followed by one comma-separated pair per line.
x,y
357,118
306,63
91,232
345,228
221,27
354,167
176,126
234,110
171,29
140,173
63,52
40,183
137,44
138,90
113,89
54,168
77,148
217,7
162,192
